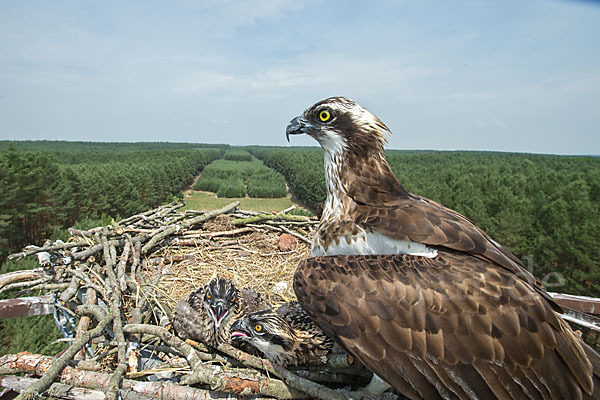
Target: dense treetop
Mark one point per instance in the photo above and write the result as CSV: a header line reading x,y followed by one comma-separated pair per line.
x,y
53,189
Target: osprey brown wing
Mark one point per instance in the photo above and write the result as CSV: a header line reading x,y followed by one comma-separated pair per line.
x,y
386,207
448,327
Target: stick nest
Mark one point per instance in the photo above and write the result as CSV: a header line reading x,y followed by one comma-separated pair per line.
x,y
112,290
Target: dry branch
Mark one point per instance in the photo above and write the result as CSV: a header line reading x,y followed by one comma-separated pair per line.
x,y
16,276
56,368
295,234
163,233
34,249
134,272
312,388
60,390
84,322
39,365
269,217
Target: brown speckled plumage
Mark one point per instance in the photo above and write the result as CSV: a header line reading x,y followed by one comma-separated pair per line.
x,y
286,337
447,327
193,320
460,318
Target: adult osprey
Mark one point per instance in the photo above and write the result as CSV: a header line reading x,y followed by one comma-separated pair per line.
x,y
417,292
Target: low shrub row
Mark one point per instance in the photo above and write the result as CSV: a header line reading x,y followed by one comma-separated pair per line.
x,y
237,155
230,178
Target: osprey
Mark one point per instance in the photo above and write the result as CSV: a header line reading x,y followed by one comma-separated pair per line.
x,y
417,292
285,337
207,314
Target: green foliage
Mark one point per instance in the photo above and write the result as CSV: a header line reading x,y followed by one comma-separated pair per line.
x,y
546,207
302,169
46,191
232,188
301,211
261,181
237,155
107,148
267,183
208,183
227,169
34,334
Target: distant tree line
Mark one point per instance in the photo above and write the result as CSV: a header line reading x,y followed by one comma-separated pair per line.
x,y
49,190
545,208
302,168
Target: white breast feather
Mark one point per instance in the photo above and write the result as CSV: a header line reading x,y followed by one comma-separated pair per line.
x,y
365,242
273,352
373,243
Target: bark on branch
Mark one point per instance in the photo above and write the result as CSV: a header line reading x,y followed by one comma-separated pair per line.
x,y
39,365
56,368
191,222
269,217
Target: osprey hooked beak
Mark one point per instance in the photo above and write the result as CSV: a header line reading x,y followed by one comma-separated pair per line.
x,y
298,126
239,331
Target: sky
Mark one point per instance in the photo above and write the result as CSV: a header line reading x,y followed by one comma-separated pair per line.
x,y
508,75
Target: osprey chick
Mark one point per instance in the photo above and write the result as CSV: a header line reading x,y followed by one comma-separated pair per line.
x,y
285,337
207,313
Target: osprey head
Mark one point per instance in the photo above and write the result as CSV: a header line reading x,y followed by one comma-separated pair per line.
x,y
268,332
339,124
220,298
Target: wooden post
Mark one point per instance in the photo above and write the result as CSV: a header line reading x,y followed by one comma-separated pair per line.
x,y
26,306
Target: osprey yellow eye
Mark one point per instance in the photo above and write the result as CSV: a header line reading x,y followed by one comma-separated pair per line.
x,y
324,115
258,327
232,298
208,296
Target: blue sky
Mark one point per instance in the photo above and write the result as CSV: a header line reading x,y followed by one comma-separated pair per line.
x,y
445,75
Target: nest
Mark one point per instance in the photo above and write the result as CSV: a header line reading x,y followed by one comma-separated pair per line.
x,y
251,259
112,290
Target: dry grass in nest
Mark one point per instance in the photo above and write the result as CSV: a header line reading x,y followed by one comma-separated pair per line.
x,y
251,259
219,223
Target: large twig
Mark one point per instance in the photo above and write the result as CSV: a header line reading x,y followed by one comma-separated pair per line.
x,y
60,390
269,217
88,282
27,284
312,388
48,286
163,233
15,276
56,368
121,266
115,290
296,234
190,354
71,291
53,247
84,322
40,365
